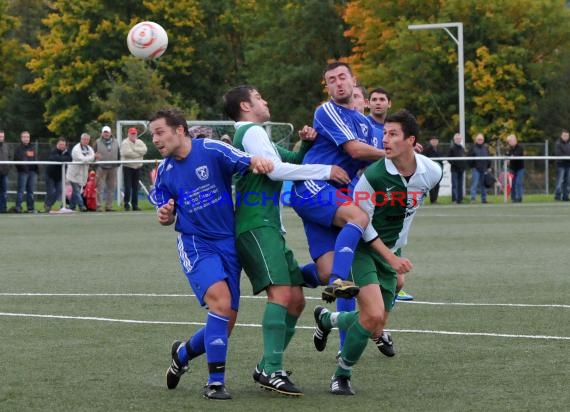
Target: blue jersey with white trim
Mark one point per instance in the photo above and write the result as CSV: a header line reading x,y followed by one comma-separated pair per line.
x,y
201,186
377,133
335,126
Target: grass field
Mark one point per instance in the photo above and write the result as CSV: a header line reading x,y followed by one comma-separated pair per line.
x,y
90,303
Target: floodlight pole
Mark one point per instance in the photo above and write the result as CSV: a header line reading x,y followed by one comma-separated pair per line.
x,y
461,83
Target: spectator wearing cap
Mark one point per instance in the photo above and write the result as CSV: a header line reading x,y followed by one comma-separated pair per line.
x,y
132,148
106,149
432,150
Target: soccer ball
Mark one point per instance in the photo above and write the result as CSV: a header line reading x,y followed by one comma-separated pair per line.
x,y
147,40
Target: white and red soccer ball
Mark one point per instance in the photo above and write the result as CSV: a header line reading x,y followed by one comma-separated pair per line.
x,y
147,40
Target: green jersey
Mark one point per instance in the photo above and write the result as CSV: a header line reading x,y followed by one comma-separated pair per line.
x,y
258,197
391,201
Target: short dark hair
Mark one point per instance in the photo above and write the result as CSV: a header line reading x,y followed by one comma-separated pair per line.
x,y
174,117
381,90
362,89
409,123
334,65
234,97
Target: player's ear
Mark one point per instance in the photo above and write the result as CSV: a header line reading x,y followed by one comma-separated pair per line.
x,y
245,106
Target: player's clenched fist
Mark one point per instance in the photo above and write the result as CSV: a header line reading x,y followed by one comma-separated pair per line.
x,y
261,165
165,213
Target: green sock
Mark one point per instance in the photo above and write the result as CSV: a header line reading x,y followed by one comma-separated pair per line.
x,y
341,320
354,344
274,333
290,322
345,319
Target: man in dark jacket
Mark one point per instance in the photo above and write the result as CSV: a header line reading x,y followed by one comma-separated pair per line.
x,y
457,168
4,156
27,173
54,183
562,148
432,150
516,167
479,168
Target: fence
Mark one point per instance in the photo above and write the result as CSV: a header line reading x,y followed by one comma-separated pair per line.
x,y
539,170
280,133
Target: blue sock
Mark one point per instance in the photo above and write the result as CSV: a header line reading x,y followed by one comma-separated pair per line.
x,y
344,248
344,305
310,275
216,341
194,347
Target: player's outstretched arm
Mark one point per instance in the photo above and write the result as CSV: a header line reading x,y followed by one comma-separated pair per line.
x,y
165,213
261,165
362,151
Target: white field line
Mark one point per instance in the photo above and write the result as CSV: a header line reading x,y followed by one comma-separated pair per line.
x,y
183,295
255,325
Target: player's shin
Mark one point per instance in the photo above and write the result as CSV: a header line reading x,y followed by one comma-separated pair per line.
x,y
216,344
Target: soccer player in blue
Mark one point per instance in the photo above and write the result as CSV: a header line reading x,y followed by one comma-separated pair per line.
x,y
193,190
332,225
379,102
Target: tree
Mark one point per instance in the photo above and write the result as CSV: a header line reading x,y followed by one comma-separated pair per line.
x,y
82,55
287,45
510,49
19,26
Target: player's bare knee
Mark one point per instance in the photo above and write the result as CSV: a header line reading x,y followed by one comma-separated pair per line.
x,y
372,321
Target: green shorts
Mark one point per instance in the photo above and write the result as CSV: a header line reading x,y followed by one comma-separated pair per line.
x,y
370,268
267,260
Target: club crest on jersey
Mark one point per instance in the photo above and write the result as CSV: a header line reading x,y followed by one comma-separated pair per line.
x,y
202,172
364,128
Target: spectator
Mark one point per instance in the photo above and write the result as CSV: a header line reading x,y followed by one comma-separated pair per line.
x,y
432,151
457,168
516,167
77,174
562,148
132,148
27,173
4,169
479,168
106,149
53,175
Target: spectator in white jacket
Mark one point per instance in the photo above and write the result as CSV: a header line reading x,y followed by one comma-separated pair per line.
x,y
77,173
132,148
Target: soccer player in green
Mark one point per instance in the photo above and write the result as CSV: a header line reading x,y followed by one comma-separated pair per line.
x,y
390,191
263,252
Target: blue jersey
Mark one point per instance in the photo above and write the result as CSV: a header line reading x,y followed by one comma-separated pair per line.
x,y
378,133
201,186
335,126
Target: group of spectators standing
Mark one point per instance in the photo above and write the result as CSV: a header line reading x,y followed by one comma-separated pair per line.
x,y
106,149
481,174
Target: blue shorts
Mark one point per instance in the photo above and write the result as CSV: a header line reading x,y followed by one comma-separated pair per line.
x,y
205,262
316,203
